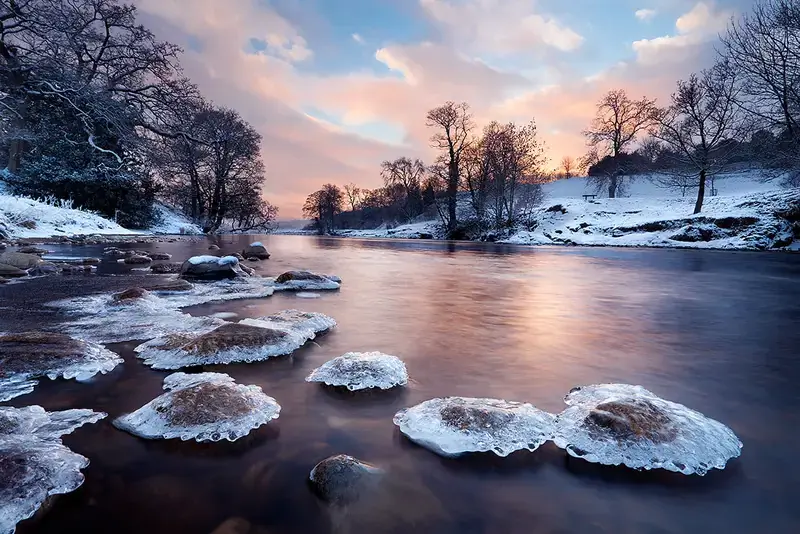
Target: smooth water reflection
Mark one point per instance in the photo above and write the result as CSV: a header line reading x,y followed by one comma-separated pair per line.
x,y
716,331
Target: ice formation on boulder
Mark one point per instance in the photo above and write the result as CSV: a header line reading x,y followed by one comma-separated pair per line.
x,y
306,281
229,343
456,425
362,370
26,356
202,407
307,324
615,424
34,464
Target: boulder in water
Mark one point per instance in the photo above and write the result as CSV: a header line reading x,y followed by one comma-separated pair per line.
x,y
30,249
306,281
34,464
137,259
29,355
20,260
202,407
129,295
211,268
456,425
160,256
362,370
342,479
256,250
615,424
166,268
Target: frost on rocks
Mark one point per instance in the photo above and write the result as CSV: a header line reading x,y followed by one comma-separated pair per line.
x,y
457,425
202,407
615,424
229,343
362,370
307,324
34,464
306,281
29,355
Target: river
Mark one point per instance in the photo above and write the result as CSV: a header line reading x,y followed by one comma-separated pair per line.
x,y
716,331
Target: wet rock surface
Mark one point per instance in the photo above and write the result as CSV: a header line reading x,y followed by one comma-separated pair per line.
x,y
128,295
28,355
306,280
166,268
202,407
362,370
615,424
343,479
256,250
455,425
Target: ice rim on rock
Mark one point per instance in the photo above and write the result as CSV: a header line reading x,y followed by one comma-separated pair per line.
x,y
362,370
324,282
38,464
307,324
686,441
94,359
101,319
456,425
151,421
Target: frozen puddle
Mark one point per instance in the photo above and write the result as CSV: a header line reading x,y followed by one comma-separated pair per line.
x,y
249,340
615,424
29,355
362,370
457,425
202,407
105,319
34,464
306,281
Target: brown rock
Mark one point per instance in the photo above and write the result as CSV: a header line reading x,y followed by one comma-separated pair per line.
x,y
299,275
233,335
39,351
128,295
137,260
256,251
170,285
206,403
633,419
20,260
166,268
342,479
33,250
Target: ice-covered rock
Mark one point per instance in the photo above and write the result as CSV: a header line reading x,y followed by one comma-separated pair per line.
x,y
308,324
342,479
306,281
362,370
456,425
256,250
202,407
34,464
615,424
229,343
29,355
212,268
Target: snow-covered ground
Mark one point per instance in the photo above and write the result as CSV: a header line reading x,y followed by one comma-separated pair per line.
x,y
172,222
742,215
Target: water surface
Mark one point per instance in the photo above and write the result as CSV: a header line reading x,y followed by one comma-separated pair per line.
x,y
717,331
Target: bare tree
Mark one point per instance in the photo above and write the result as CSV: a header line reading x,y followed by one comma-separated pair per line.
x,y
476,166
614,129
568,166
322,207
353,194
703,126
408,175
763,47
452,123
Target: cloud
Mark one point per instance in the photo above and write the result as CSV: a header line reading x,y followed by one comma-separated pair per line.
x,y
646,14
357,38
700,25
502,27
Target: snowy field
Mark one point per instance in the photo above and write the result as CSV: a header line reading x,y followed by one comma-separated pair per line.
x,y
741,216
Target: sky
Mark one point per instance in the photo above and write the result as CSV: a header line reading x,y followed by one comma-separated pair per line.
x,y
335,87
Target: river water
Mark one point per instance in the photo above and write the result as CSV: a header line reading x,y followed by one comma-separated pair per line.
x,y
716,331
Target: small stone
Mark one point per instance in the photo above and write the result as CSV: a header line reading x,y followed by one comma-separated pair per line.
x,y
161,256
137,260
165,268
133,293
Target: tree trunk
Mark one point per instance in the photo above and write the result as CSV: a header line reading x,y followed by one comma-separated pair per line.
x,y
612,187
701,192
452,193
14,155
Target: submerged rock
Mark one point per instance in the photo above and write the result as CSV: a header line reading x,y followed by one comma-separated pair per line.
x,y
256,250
211,268
29,355
342,479
362,370
34,464
457,425
615,424
228,343
307,324
202,407
306,281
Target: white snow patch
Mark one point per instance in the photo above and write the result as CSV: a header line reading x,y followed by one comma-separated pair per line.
x,y
35,463
362,370
456,425
172,222
256,244
682,440
222,410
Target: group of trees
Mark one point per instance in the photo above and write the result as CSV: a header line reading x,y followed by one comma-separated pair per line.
x,y
497,171
744,109
94,108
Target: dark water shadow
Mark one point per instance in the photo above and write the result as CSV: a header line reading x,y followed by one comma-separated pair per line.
x,y
364,397
215,449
